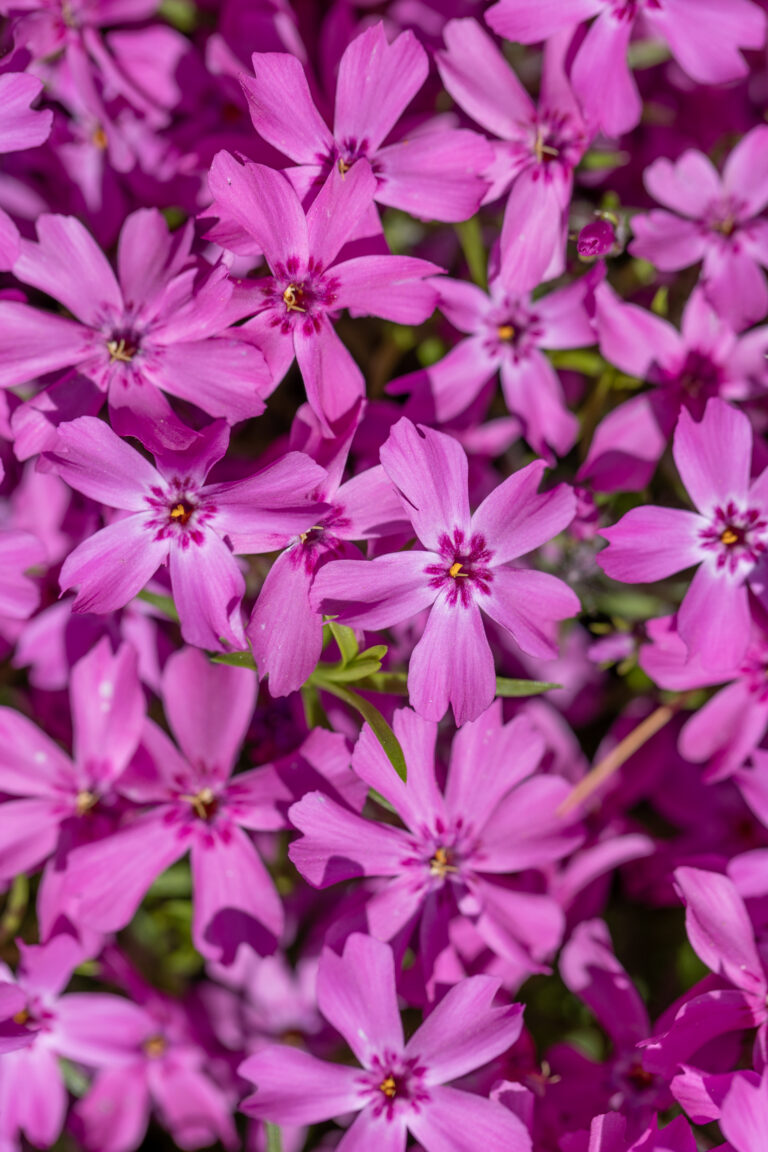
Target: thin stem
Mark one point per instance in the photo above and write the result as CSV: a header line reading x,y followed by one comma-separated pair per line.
x,y
274,1138
619,756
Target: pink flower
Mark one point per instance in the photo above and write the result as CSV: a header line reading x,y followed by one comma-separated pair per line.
x,y
401,1088
715,221
433,172
190,804
309,284
726,536
495,817
466,566
704,38
161,326
174,518
538,152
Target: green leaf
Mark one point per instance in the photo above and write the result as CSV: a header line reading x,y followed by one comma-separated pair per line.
x,y
471,238
391,683
274,1138
374,718
647,53
346,641
596,161
180,14
234,659
660,302
579,360
523,687
163,604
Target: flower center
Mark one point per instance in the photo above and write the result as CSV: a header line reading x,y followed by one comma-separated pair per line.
x,y
737,536
389,1087
155,1046
463,569
84,802
21,1017
122,349
506,332
181,512
205,803
442,863
293,298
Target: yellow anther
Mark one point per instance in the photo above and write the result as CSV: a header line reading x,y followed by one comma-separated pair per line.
x,y
204,803
729,537
440,864
389,1087
155,1046
21,1017
343,166
455,569
178,512
541,149
84,802
120,350
291,296
99,139
506,332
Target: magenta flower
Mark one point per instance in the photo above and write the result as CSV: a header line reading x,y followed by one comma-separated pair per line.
x,y
401,1088
726,536
434,173
721,933
744,1116
21,127
48,793
285,630
724,731
94,1029
465,567
538,152
308,286
714,219
687,368
168,1073
704,39
174,518
494,817
160,326
192,805
508,332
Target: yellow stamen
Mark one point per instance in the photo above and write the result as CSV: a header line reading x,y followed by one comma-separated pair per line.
x,y
440,864
84,802
154,1047
290,298
729,537
120,350
506,332
541,149
455,569
204,803
21,1017
389,1087
343,166
99,139
179,512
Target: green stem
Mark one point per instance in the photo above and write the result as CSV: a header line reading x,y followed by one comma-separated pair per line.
x,y
274,1138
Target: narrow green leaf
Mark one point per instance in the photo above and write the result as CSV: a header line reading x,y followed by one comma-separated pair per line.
x,y
372,716
596,161
579,360
361,667
346,641
471,238
391,683
647,53
234,659
163,604
523,687
274,1138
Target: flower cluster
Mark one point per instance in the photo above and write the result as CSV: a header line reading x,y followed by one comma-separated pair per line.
x,y
384,575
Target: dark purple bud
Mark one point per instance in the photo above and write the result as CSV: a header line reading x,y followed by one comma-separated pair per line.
x,y
596,239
